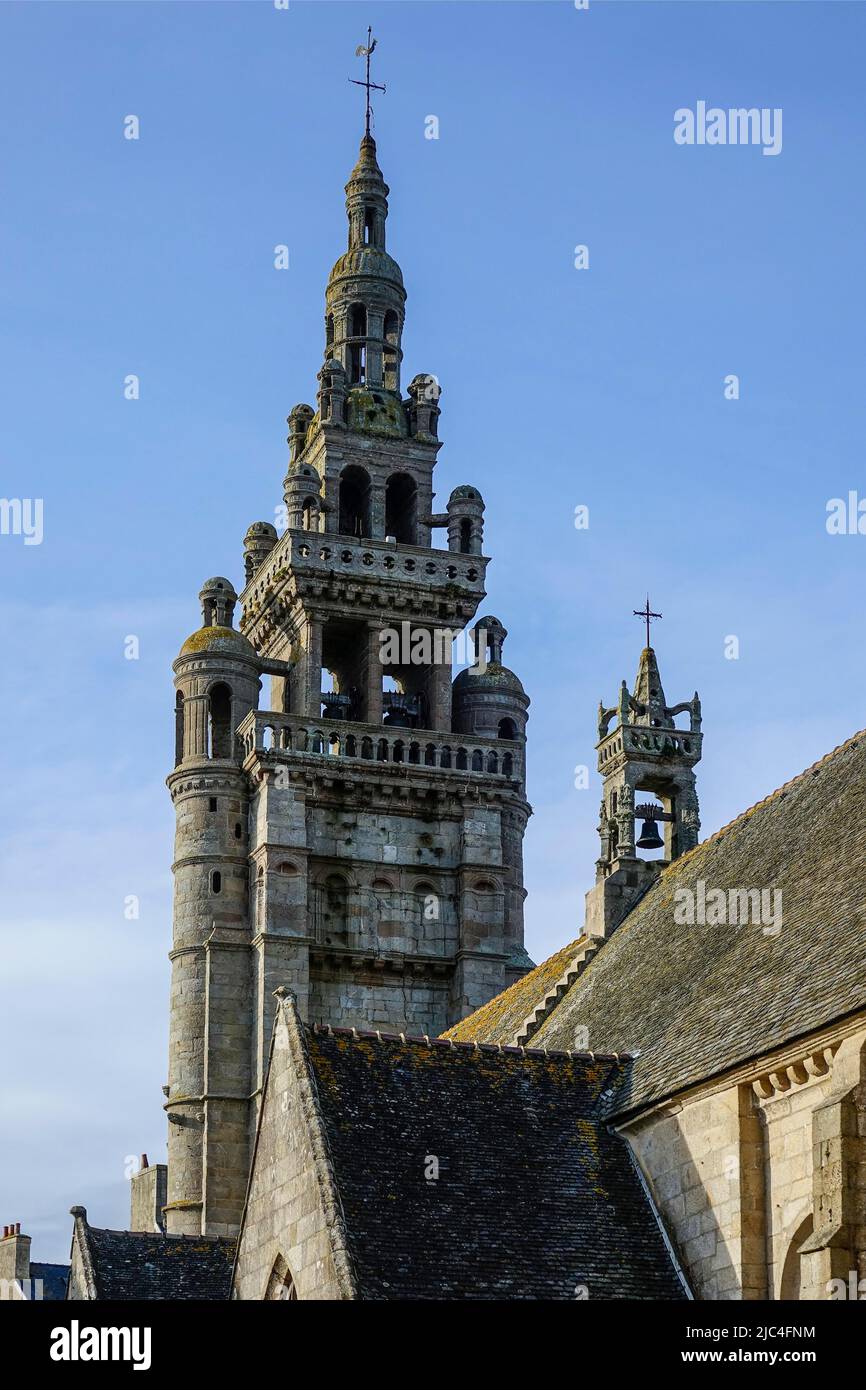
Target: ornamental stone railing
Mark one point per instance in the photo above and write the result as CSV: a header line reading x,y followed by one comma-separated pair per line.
x,y
317,552
288,735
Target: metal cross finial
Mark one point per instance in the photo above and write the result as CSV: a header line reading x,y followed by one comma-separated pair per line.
x,y
366,52
647,614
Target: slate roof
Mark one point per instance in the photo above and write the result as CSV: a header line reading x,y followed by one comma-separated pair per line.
x,y
535,1198
54,1280
131,1265
695,1001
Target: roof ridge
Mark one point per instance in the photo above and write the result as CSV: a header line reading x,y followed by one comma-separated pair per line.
x,y
449,1044
577,962
160,1235
779,791
570,946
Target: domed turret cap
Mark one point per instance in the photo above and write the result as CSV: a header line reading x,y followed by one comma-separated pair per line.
x,y
495,676
260,531
218,641
216,635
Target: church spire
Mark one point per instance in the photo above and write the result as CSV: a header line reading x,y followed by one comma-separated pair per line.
x,y
649,705
365,298
367,199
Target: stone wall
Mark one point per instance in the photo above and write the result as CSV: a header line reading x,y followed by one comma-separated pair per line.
x,y
786,1119
289,1226
148,1191
393,1003
762,1185
690,1155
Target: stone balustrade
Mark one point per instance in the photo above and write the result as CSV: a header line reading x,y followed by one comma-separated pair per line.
x,y
288,735
310,551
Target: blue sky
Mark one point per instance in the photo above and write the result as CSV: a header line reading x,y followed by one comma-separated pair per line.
x,y
561,387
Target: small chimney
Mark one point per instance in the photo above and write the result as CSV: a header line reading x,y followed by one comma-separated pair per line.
x,y
14,1255
148,1196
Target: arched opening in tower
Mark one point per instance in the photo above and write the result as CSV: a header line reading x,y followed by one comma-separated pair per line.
x,y
401,495
309,515
466,536
354,501
219,721
654,828
358,344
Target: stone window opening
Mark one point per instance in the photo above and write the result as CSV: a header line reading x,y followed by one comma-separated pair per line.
x,y
401,501
465,536
216,881
506,729
219,721
281,1286
355,502
357,350
329,330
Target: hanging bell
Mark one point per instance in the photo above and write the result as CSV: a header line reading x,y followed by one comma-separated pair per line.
x,y
650,837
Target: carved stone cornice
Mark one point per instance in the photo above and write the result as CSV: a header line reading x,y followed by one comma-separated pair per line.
x,y
785,1078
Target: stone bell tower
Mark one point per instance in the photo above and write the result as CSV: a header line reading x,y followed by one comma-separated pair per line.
x,y
355,831
641,752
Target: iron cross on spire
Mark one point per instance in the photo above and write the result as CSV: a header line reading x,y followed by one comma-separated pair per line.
x,y
366,52
648,615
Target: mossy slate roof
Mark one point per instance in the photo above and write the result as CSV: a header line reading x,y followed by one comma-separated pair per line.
x,y
141,1265
501,1018
535,1197
695,1001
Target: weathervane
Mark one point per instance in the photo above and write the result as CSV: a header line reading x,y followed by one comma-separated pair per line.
x,y
647,614
362,52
